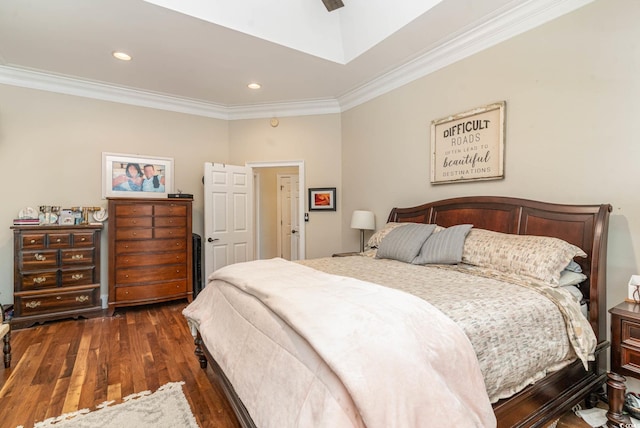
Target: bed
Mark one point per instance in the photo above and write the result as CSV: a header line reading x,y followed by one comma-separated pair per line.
x,y
244,367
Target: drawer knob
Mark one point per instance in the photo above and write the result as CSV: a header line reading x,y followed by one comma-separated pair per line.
x,y
39,279
83,239
40,257
126,276
33,304
134,233
58,298
77,257
82,298
77,276
33,241
58,240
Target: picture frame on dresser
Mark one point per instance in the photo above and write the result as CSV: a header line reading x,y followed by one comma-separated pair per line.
x,y
136,176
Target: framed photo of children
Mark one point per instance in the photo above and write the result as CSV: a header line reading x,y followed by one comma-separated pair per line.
x,y
322,199
135,176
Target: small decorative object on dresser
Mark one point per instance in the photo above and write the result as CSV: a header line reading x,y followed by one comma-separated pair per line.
x,y
56,273
625,339
150,251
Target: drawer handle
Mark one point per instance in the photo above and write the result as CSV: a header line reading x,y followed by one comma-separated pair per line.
x,y
77,276
39,279
58,298
39,257
33,304
58,240
82,298
33,241
83,239
77,257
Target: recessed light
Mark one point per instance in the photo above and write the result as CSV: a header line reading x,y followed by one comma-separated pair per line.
x,y
121,56
254,86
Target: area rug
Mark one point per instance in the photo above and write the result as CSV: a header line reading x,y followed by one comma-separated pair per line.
x,y
165,408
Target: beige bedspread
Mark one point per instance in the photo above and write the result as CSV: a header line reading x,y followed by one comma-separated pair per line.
x,y
403,362
520,329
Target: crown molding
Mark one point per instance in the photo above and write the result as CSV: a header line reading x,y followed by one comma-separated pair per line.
x,y
502,25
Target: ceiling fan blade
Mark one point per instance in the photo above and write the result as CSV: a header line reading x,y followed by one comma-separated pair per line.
x,y
332,4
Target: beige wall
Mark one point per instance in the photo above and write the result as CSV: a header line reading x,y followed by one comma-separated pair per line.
x,y
573,103
50,154
314,139
572,121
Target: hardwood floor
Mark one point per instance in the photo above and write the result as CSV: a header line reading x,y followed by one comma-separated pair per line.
x,y
64,366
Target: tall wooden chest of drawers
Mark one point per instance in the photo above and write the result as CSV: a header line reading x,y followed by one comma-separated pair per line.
x,y
150,251
56,273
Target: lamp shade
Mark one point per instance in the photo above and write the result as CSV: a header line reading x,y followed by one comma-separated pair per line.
x,y
363,220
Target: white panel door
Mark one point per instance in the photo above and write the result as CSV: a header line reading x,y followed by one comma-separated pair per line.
x,y
288,223
228,215
295,218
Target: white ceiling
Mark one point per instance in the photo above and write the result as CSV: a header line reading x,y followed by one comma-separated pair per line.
x,y
307,60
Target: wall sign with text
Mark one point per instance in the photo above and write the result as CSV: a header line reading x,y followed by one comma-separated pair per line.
x,y
468,146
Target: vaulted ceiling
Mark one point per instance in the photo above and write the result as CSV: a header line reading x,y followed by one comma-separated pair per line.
x,y
198,56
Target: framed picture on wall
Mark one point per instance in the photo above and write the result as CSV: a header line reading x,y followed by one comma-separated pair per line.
x,y
322,199
135,176
468,146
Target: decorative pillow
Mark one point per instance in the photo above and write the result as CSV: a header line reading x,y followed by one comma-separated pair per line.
x,y
443,247
568,277
377,237
573,267
404,243
539,257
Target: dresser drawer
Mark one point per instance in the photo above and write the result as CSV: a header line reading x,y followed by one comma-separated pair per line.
x,y
124,247
630,358
170,221
35,281
134,221
55,302
128,260
78,277
133,233
150,274
32,241
36,260
155,291
59,240
170,210
630,332
83,239
169,232
76,257
138,210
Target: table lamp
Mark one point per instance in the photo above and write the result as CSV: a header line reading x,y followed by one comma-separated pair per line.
x,y
363,220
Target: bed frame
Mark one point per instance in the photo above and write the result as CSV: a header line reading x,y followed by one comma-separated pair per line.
x,y
583,225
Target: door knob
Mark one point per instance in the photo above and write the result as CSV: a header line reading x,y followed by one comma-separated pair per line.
x,y
212,240
294,231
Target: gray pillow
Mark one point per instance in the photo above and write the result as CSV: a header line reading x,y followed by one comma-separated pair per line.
x,y
574,267
444,247
404,243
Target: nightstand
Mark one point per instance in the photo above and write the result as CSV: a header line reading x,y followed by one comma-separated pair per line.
x,y
625,339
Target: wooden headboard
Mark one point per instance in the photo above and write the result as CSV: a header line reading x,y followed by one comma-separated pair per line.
x,y
583,225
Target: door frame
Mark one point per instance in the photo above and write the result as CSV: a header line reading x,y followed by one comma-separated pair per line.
x,y
301,193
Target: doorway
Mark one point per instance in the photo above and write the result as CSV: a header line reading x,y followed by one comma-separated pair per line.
x,y
279,209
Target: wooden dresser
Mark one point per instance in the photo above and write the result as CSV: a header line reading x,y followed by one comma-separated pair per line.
x,y
56,273
150,251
